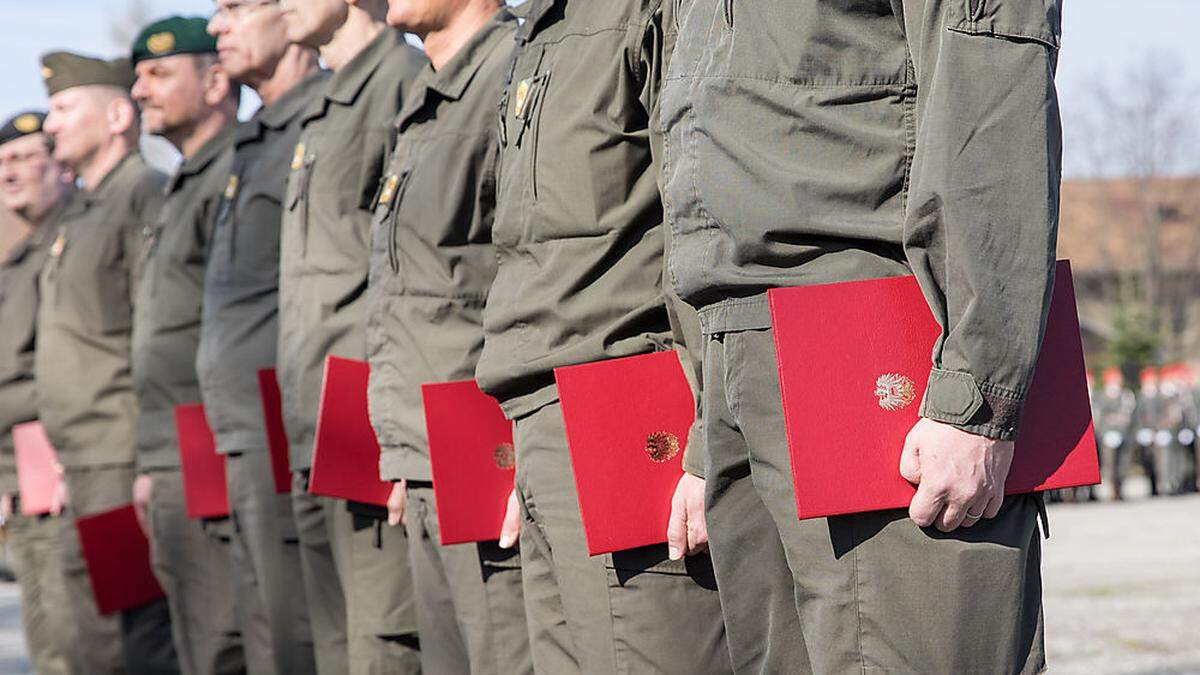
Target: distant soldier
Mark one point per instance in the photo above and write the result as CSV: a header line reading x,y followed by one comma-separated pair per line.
x,y
1146,420
1114,405
85,391
35,188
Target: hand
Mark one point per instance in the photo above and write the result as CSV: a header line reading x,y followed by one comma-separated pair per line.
x,y
395,503
510,531
687,530
959,476
61,498
6,507
142,486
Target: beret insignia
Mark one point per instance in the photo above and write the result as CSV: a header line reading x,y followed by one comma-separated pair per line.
x,y
26,124
160,43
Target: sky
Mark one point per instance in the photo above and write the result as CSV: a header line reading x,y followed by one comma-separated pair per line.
x,y
1101,38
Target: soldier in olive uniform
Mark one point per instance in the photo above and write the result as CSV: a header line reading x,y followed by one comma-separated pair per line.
x,y
239,332
578,231
336,171
85,392
187,99
1114,407
431,265
36,188
813,142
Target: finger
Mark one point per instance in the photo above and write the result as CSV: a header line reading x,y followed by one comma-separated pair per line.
x,y
677,530
910,461
511,529
395,503
926,505
975,510
952,515
993,506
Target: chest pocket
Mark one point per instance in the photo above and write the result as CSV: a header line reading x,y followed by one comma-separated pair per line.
x,y
1023,20
521,118
391,192
298,186
89,283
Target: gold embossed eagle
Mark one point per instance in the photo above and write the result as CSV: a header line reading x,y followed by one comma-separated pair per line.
x,y
894,391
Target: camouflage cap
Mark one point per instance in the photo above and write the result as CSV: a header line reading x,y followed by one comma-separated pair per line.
x,y
22,124
174,35
64,70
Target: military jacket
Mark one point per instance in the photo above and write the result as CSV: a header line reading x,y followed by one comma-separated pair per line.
x,y
812,142
85,390
336,172
166,317
431,259
240,311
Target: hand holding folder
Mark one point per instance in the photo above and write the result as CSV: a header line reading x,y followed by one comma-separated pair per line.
x,y
345,462
38,472
117,555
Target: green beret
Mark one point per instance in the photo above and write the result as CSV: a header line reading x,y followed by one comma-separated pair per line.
x,y
64,70
22,124
174,35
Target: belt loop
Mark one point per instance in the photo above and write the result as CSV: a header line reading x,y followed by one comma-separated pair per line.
x,y
1043,516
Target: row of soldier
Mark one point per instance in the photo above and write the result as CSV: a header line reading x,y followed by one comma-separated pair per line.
x,y
593,180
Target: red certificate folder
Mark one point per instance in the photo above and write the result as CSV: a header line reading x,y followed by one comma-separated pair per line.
x,y
277,441
38,471
117,555
205,494
854,359
345,461
471,454
627,423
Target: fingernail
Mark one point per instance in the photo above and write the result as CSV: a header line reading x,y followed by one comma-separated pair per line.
x,y
674,553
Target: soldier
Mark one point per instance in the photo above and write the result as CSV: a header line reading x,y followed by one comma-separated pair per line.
x,y
85,393
814,142
355,568
431,265
35,188
187,99
1146,418
578,232
239,332
1114,407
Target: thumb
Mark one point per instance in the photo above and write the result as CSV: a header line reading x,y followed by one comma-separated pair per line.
x,y
395,503
677,530
910,461
511,528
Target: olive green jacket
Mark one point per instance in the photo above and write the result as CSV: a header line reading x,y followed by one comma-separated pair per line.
x,y
431,257
86,399
325,240
166,316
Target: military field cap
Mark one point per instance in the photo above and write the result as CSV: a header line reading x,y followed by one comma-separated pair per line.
x,y
22,124
174,35
64,70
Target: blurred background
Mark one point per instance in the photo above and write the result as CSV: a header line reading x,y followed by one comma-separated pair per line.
x,y
1122,568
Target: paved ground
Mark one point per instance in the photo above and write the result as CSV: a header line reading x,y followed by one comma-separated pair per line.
x,y
1122,590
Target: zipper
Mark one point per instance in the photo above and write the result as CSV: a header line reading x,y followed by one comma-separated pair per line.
x,y
393,216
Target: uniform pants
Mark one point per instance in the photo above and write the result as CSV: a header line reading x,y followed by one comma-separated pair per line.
x,y
35,549
470,610
266,560
191,560
139,640
359,586
860,593
631,612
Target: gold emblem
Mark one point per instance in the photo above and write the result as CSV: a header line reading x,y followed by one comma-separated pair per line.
x,y
26,124
521,99
160,43
60,244
231,188
389,189
47,72
662,446
895,391
298,157
505,456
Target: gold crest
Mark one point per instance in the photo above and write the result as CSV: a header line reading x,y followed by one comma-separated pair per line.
x,y
59,245
231,188
26,124
662,446
47,72
505,456
160,43
389,189
522,98
895,391
298,157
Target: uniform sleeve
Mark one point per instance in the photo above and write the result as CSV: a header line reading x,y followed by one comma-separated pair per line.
x,y
982,209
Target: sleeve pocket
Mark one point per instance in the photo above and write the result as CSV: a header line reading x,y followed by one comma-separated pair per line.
x,y
1034,20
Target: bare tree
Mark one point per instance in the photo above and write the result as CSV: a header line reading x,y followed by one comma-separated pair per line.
x,y
123,26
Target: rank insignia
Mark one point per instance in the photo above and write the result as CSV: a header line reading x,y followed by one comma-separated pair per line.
x,y
59,245
662,446
26,124
298,157
522,98
895,391
389,189
505,456
160,43
231,188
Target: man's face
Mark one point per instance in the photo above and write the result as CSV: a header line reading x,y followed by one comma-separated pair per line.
x,y
29,178
77,124
422,16
170,92
312,23
251,38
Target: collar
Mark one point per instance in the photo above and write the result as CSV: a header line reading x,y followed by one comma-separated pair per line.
x,y
454,77
207,153
282,112
350,80
126,164
537,10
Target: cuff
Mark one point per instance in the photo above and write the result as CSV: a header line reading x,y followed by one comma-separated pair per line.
x,y
959,400
693,454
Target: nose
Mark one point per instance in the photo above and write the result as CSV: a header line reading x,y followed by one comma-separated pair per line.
x,y
216,24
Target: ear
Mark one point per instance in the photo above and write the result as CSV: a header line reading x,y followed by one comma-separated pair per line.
x,y
216,86
122,115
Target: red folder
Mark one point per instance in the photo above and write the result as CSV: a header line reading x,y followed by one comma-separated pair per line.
x,y
627,424
205,494
118,560
345,461
38,471
471,454
853,366
277,441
